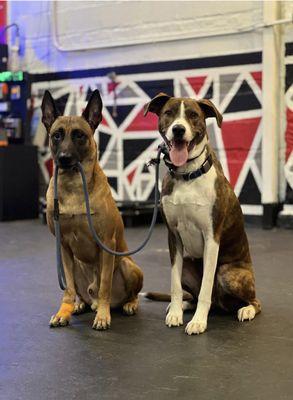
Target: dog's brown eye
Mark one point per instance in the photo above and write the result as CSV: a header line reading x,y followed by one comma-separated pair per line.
x,y
57,135
193,114
168,112
76,134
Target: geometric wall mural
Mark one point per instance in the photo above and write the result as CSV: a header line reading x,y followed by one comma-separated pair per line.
x,y
289,124
127,140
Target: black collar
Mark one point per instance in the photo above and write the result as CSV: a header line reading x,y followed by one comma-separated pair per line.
x,y
188,176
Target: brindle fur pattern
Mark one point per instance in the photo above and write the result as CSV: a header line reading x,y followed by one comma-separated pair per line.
x,y
234,284
93,276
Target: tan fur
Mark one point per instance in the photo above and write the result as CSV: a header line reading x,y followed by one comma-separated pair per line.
x,y
93,276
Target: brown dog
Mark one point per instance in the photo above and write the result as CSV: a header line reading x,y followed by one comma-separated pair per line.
x,y
207,242
93,277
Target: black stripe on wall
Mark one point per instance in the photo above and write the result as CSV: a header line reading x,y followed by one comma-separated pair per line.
x,y
207,62
289,49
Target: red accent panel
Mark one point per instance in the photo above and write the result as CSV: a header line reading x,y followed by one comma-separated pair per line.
x,y
196,83
49,166
3,19
131,175
112,86
141,123
289,133
257,76
238,137
104,122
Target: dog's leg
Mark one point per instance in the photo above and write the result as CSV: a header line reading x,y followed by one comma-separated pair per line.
x,y
103,317
133,278
198,323
175,311
66,309
238,281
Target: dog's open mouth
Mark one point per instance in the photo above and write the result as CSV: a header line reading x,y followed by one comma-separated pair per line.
x,y
68,167
179,150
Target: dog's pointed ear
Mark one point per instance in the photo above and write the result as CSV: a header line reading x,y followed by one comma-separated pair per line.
x,y
210,110
156,104
93,111
49,110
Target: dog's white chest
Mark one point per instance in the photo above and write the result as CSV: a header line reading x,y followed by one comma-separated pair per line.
x,y
192,237
188,210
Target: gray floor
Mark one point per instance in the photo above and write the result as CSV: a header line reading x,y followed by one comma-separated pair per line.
x,y
140,358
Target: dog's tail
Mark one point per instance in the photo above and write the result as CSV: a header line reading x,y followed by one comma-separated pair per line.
x,y
157,296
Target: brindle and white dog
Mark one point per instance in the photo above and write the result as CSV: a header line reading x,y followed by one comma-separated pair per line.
x,y
207,242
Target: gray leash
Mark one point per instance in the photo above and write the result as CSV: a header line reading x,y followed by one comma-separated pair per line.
x,y
60,268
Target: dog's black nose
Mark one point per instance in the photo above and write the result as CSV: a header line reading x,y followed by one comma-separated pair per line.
x,y
65,160
178,131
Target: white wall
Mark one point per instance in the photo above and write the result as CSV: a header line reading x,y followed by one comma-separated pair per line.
x,y
287,11
197,29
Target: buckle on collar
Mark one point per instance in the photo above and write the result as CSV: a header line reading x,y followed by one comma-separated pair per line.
x,y
172,173
188,176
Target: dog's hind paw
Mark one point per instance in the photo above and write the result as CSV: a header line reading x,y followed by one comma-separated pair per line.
x,y
246,313
195,327
94,306
79,308
131,307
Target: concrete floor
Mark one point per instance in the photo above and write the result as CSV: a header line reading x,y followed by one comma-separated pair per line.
x,y
140,358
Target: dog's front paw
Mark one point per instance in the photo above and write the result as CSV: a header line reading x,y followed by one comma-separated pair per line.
x,y
63,316
102,320
174,317
58,321
195,327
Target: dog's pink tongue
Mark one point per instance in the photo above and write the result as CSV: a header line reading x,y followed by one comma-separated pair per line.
x,y
178,154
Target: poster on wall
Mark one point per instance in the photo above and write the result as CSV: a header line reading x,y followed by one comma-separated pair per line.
x,y
127,139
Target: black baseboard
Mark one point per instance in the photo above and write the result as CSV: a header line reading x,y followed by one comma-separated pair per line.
x,y
253,220
285,221
270,215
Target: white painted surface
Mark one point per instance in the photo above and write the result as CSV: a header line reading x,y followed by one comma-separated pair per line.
x,y
272,59
116,23
151,24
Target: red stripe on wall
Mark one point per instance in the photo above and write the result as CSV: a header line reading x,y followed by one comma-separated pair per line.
x,y
3,19
238,137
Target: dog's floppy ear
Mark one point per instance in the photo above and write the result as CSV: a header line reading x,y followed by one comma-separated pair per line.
x,y
210,110
93,111
156,104
49,110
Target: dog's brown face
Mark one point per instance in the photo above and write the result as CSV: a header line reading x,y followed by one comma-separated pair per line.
x,y
71,138
182,123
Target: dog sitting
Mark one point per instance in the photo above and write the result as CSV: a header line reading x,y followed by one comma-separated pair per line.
x,y
93,276
208,246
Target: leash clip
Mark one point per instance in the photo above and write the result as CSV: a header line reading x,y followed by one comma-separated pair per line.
x,y
151,162
154,161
